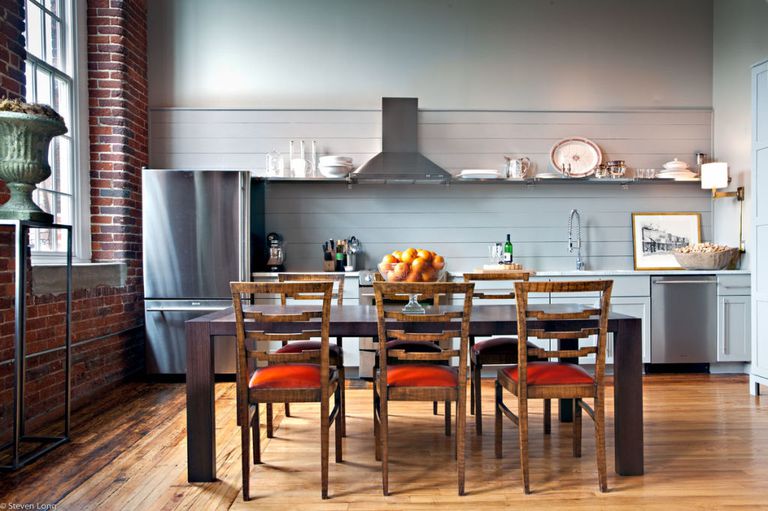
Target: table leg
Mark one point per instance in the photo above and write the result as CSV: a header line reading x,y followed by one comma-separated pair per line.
x,y
565,410
201,418
628,397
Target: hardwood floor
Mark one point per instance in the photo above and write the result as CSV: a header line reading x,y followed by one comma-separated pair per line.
x,y
706,448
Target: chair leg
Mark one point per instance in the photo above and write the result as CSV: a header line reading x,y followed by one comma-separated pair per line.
x,y
376,422
255,425
245,441
576,429
434,407
384,433
338,428
324,447
343,398
497,430
287,410
478,399
471,387
600,444
522,415
461,426
270,431
547,416
447,418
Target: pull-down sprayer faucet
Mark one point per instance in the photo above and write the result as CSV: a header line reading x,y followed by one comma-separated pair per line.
x,y
577,244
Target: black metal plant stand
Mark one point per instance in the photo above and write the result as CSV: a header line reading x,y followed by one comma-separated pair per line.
x,y
20,438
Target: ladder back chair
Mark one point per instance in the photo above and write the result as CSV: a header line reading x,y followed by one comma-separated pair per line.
x,y
431,299
337,350
419,377
288,377
549,380
496,350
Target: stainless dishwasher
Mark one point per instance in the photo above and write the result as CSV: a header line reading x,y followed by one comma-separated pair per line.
x,y
683,319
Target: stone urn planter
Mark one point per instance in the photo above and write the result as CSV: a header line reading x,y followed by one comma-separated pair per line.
x,y
24,141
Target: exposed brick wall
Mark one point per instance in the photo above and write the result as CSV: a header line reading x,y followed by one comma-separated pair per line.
x,y
12,52
107,322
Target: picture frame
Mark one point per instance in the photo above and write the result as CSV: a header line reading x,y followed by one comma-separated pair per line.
x,y
656,234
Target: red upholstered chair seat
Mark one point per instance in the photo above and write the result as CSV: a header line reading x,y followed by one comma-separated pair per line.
x,y
552,373
286,376
299,346
421,375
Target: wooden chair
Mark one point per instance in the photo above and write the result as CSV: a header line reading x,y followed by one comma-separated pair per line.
x,y
288,377
496,350
431,299
548,380
337,351
420,379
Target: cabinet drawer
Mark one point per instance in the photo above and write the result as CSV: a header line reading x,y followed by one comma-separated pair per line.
x,y
739,285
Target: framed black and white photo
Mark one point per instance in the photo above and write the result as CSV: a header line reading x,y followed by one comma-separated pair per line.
x,y
656,235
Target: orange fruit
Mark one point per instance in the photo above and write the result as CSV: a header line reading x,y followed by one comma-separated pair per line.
x,y
414,276
397,255
439,262
409,255
419,264
424,254
389,259
401,270
392,277
428,274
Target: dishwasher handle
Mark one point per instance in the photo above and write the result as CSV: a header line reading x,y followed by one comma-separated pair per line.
x,y
685,281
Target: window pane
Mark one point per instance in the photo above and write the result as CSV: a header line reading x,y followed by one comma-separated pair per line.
x,y
53,5
53,39
61,101
34,30
61,164
43,88
63,214
29,71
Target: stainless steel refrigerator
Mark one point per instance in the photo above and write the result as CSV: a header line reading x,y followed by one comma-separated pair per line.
x,y
196,241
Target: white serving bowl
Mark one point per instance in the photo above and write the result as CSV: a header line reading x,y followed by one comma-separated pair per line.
x,y
335,171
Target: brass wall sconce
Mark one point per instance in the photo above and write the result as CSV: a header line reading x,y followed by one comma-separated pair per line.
x,y
714,176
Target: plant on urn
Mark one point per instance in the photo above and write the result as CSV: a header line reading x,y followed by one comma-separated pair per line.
x,y
26,130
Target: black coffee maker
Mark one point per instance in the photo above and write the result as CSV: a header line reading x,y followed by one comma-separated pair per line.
x,y
276,252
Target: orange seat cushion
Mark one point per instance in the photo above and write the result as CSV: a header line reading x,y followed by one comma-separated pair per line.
x,y
299,346
421,375
552,373
286,376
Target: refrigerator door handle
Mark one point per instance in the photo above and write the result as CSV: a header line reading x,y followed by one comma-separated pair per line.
x,y
185,309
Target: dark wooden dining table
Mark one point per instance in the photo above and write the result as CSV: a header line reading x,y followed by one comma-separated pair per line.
x,y
360,321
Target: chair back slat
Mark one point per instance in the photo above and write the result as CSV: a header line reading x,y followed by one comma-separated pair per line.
x,y
509,277
305,356
402,335
282,318
260,335
562,331
440,323
336,278
580,314
576,334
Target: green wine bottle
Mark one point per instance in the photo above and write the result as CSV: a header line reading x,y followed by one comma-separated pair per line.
x,y
507,255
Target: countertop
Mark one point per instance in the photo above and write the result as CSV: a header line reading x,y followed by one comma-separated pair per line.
x,y
570,273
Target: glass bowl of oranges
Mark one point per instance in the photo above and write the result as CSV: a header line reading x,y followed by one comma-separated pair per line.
x,y
412,265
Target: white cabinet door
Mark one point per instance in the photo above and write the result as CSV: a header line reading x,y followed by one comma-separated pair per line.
x,y
640,307
733,329
759,227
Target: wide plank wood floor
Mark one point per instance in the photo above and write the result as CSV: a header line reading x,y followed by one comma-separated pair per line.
x,y
706,448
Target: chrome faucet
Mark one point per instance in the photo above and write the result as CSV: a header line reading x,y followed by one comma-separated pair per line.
x,y
577,244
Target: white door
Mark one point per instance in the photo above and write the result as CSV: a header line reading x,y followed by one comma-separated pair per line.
x,y
760,227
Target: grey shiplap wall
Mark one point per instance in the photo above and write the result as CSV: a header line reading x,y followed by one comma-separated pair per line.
x,y
461,220
458,221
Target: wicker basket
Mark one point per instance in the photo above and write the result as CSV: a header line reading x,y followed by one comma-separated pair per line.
x,y
707,260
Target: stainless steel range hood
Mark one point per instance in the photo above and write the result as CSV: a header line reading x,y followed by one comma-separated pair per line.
x,y
400,160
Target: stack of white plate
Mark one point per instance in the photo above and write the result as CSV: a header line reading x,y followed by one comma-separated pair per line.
x,y
335,166
677,170
479,174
